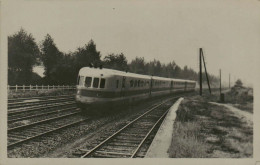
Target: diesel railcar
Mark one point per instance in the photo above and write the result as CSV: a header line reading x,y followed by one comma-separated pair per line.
x,y
97,88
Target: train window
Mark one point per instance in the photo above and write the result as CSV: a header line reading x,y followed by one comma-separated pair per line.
x,y
102,83
81,80
123,82
131,83
117,83
95,82
88,81
135,84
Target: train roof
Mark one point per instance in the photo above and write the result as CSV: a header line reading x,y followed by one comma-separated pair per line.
x,y
174,79
111,72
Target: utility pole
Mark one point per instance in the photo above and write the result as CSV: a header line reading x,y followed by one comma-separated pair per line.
x,y
200,73
205,70
229,80
202,58
220,81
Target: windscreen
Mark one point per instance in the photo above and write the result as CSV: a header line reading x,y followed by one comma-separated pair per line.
x,y
88,81
81,80
95,82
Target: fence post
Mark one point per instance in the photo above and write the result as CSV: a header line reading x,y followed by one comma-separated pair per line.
x,y
30,87
42,87
15,88
48,87
23,88
52,86
36,87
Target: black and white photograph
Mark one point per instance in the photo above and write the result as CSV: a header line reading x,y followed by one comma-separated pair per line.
x,y
130,79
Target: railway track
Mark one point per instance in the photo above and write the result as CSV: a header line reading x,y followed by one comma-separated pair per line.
x,y
23,133
10,100
30,112
42,107
30,118
34,113
133,139
37,102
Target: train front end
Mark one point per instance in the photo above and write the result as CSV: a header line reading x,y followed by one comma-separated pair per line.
x,y
91,84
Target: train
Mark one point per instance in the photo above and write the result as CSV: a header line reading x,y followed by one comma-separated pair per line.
x,y
101,88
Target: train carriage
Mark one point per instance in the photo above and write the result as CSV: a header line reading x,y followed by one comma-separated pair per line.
x,y
102,88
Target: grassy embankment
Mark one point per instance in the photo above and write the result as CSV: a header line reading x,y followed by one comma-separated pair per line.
x,y
204,130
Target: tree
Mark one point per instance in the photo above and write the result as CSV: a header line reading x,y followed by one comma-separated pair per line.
x,y
239,83
158,68
137,65
64,72
177,72
115,61
50,56
87,55
22,55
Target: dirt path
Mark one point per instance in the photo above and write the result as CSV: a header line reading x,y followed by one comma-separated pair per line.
x,y
242,115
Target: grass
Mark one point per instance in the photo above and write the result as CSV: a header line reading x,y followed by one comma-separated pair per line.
x,y
203,130
186,142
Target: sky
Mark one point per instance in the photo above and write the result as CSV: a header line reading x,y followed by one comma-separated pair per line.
x,y
169,30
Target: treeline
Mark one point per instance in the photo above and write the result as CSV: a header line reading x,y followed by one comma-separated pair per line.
x,y
62,68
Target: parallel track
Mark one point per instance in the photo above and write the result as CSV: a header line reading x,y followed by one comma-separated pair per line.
x,y
37,102
14,117
129,141
27,113
11,100
40,117
24,133
44,106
